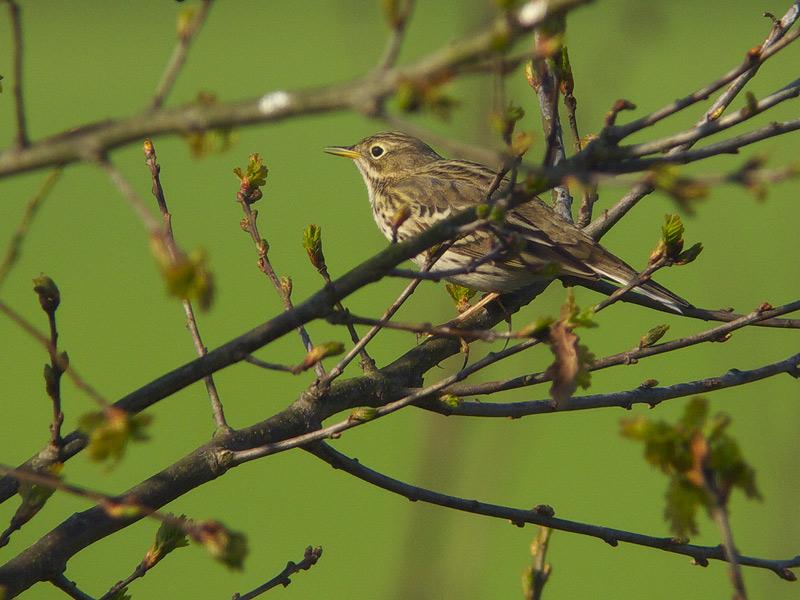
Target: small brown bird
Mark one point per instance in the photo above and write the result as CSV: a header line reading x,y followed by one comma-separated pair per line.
x,y
404,176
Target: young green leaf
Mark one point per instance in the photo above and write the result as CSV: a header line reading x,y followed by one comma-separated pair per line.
x,y
170,536
653,336
227,546
461,296
110,430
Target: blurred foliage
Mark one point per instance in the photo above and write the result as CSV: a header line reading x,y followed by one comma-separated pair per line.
x,y
702,460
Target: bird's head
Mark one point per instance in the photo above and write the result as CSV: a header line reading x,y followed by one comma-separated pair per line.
x,y
385,156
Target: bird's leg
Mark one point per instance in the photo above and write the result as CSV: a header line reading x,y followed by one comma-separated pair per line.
x,y
473,309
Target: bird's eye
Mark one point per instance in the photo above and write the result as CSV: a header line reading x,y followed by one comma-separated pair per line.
x,y
376,151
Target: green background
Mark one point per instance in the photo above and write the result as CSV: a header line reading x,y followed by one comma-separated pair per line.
x,y
90,61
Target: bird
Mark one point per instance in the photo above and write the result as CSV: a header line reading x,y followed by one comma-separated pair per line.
x,y
411,187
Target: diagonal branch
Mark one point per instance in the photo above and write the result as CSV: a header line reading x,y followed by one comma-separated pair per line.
x,y
543,516
188,310
362,95
31,208
310,558
186,34
721,332
21,137
652,396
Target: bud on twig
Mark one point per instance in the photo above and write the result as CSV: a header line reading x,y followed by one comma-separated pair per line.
x,y
312,242
317,353
286,286
49,296
252,179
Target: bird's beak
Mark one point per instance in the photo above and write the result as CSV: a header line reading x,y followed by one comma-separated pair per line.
x,y
346,151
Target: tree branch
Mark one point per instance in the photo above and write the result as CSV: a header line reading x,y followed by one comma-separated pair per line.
x,y
186,35
362,95
18,237
643,394
188,310
310,558
714,334
21,137
543,517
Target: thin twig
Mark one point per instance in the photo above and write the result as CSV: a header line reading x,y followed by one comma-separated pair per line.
x,y
335,430
603,223
360,96
138,572
264,264
191,322
121,507
53,380
546,84
720,516
541,515
778,32
293,369
310,558
21,137
590,196
740,74
70,588
37,335
317,257
186,35
399,21
486,335
721,332
751,63
686,139
643,394
134,199
438,275
729,146
538,573
339,368
18,237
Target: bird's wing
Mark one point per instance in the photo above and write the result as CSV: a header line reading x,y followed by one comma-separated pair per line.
x,y
551,244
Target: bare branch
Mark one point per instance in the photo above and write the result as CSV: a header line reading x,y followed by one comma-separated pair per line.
x,y
134,199
776,35
545,83
169,237
21,137
37,335
186,34
743,73
355,419
639,279
687,138
603,224
265,265
540,515
18,237
399,17
720,515
69,588
310,558
643,394
729,146
720,332
536,576
363,95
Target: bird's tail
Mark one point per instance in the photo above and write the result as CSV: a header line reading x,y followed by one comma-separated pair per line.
x,y
623,274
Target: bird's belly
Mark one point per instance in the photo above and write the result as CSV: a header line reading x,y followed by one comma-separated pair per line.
x,y
487,277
